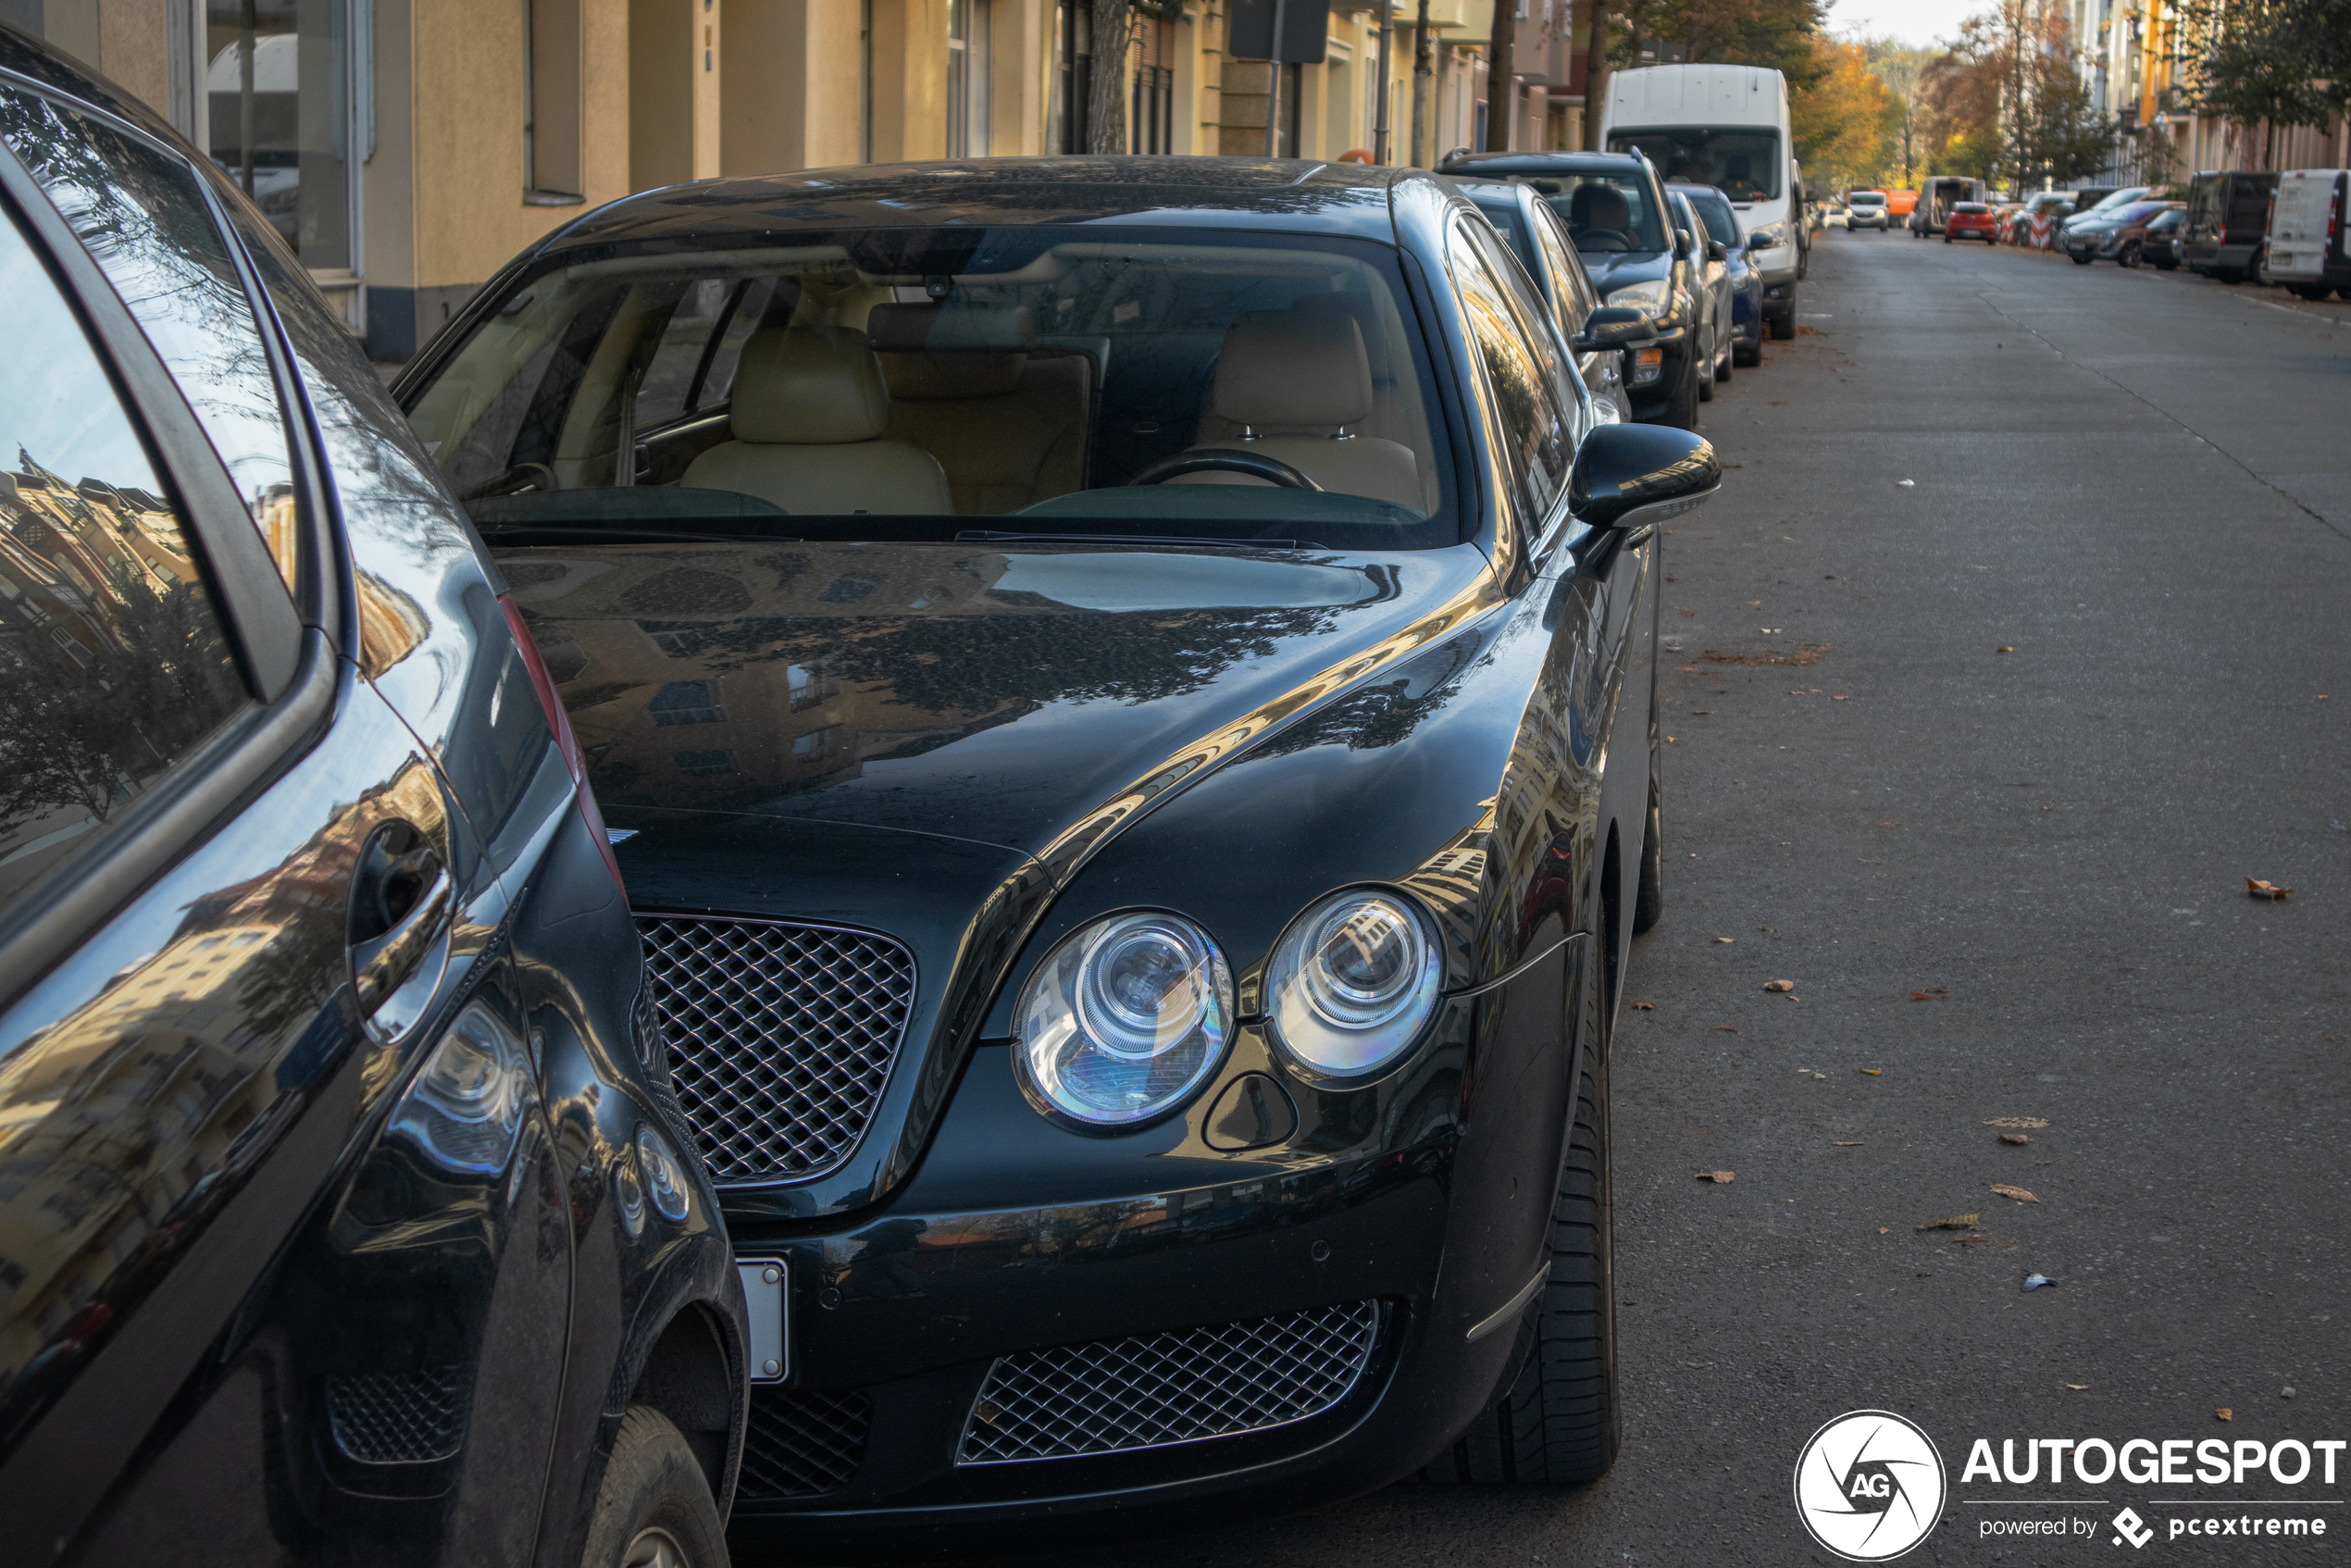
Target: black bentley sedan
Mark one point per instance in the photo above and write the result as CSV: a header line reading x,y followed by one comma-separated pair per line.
x,y
343,1215
1124,690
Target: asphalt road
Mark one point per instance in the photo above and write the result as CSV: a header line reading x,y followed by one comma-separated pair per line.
x,y
2014,738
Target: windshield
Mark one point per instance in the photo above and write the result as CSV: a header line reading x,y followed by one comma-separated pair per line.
x,y
1743,163
2121,198
1609,214
1715,213
1868,198
923,384
2138,212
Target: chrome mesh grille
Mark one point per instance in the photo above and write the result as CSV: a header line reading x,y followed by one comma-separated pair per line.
x,y
802,1444
780,1037
398,1417
1175,1387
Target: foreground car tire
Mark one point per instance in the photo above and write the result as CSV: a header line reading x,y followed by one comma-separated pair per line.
x,y
655,1508
1783,326
1682,412
1556,1421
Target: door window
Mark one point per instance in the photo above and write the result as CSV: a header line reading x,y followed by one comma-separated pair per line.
x,y
142,216
1524,372
113,663
1568,282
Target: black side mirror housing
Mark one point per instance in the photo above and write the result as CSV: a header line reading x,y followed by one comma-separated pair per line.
x,y
1683,244
1717,251
1611,325
1626,475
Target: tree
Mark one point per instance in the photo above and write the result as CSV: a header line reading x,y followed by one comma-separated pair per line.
x,y
1106,96
1903,69
2259,62
1845,122
1778,34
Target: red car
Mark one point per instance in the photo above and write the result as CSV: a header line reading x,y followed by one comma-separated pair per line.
x,y
1971,221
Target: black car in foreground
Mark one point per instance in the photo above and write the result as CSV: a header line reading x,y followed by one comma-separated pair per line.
x,y
343,1217
1638,259
1129,688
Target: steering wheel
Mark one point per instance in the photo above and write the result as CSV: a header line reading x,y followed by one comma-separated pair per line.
x,y
1224,459
1623,241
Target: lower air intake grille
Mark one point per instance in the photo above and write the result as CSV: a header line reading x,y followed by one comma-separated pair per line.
x,y
802,1444
780,1037
1157,1389
398,1417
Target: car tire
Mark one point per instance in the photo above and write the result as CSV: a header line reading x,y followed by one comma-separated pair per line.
x,y
654,1506
1947,238
1556,1421
2129,256
2079,260
1747,356
1783,326
2167,266
1723,366
1702,373
1682,411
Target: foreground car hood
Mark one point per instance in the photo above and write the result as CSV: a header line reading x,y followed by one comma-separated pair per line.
x,y
1033,699
1634,267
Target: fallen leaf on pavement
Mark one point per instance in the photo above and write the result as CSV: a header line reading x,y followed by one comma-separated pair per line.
x,y
2035,1281
1720,1178
1956,1222
1874,1072
1726,939
1855,1143
2018,1122
1886,1230
2014,1138
1977,1241
1929,994
1645,1007
2260,889
1726,1028
2004,648
2018,1194
2225,1413
1779,985
1837,699
2077,1387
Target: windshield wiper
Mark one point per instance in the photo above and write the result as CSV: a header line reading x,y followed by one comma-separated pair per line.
x,y
989,536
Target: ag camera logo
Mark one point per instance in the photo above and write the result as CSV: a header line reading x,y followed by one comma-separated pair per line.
x,y
1870,1486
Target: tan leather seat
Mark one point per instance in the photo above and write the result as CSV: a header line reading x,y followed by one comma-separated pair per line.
x,y
1011,423
1297,385
808,417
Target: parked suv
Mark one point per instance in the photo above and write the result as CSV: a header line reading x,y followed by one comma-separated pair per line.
x,y
2308,252
2118,235
344,1216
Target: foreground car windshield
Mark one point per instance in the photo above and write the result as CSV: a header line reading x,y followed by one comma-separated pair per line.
x,y
922,384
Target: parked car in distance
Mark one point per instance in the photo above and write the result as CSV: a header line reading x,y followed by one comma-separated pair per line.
x,y
1616,207
1936,197
2307,243
1710,262
2041,219
2159,248
1971,221
1543,246
1078,837
2096,202
2117,234
1866,209
1833,214
1746,332
347,1216
2228,219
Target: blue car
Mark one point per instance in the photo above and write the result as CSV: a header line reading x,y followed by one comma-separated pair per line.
x,y
1747,284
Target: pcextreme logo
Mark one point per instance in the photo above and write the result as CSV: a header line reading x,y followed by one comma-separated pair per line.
x,y
1870,1486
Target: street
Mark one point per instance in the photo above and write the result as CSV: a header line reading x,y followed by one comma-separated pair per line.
x,y
1981,764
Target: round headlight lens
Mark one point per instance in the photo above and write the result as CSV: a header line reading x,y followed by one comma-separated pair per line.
x,y
1352,981
1125,1018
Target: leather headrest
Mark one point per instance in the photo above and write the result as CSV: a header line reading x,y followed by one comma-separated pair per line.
x,y
1286,367
1598,207
951,329
1359,309
924,378
809,386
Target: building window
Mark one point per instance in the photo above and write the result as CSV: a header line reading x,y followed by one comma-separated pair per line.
x,y
1151,121
814,745
686,702
967,69
806,687
551,126
1066,117
703,763
279,100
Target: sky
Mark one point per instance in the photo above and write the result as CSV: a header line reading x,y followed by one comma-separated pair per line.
x,y
1918,23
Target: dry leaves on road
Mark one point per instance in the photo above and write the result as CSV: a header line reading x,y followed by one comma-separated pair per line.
x,y
1645,1007
2017,1193
1724,1029
1873,1072
2257,888
2004,648
2018,1122
1779,985
1956,1222
1726,939
1806,653
1854,1144
1930,994
2224,1413
2014,1138
1720,1178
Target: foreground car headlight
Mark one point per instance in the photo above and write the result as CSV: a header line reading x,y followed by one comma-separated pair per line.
x,y
1125,1018
1770,237
465,1109
1351,983
1648,298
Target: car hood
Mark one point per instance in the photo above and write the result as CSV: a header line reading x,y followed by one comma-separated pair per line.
x,y
1632,267
1033,698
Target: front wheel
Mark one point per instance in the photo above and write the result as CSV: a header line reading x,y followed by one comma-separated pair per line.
x,y
2130,257
1783,326
1555,1422
655,1508
1682,412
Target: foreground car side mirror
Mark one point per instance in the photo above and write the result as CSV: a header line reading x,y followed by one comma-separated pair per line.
x,y
1611,325
1717,251
1629,476
1683,244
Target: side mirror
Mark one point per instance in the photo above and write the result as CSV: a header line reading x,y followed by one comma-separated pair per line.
x,y
1629,475
1682,244
1611,325
1717,251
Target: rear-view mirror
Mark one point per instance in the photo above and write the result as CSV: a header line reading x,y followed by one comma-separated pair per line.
x,y
1611,325
1626,475
1717,251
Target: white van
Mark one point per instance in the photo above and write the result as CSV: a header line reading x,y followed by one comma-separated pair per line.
x,y
1728,127
2308,250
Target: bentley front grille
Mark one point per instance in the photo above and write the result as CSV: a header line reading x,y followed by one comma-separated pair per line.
x,y
780,1037
802,1444
398,1417
1158,1389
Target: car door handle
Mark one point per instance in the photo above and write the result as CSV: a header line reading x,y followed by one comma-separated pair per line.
x,y
401,900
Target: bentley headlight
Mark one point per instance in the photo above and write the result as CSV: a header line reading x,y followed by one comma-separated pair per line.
x,y
1125,1018
465,1108
1648,298
1353,982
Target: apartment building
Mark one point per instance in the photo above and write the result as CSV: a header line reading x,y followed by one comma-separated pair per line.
x,y
406,148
